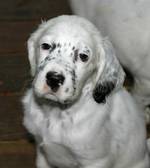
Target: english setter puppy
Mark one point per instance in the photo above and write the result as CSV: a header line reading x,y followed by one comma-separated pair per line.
x,y
77,108
127,23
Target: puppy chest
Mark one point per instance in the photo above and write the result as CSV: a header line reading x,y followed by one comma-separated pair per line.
x,y
71,147
62,146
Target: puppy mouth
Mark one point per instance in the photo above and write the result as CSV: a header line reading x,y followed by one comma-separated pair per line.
x,y
55,101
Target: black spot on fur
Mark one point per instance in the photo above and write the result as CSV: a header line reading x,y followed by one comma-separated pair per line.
x,y
47,58
74,79
102,91
53,46
73,48
75,55
71,54
67,90
58,45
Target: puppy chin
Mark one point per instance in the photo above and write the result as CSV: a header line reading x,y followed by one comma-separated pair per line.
x,y
59,97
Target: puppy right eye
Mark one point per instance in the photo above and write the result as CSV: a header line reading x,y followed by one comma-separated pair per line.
x,y
45,46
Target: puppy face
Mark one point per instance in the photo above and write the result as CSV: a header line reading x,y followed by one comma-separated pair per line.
x,y
68,52
65,62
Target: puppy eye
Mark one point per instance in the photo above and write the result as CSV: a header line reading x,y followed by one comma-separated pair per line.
x,y
45,46
84,57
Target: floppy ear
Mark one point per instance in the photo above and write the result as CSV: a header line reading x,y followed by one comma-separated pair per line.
x,y
110,75
31,55
32,44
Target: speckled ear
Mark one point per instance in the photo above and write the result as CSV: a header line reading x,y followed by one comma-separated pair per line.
x,y
101,91
110,74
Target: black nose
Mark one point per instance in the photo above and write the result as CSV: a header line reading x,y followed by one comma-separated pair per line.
x,y
54,80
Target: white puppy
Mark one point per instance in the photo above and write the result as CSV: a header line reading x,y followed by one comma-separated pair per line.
x,y
78,111
127,23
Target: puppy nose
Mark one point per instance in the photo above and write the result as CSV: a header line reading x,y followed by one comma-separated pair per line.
x,y
54,80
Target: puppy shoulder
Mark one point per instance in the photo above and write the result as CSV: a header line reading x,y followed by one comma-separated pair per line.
x,y
27,99
123,96
32,112
125,106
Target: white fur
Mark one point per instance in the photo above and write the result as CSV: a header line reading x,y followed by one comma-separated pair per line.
x,y
127,23
81,133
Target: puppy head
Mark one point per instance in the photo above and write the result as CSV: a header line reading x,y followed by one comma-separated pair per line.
x,y
61,57
65,53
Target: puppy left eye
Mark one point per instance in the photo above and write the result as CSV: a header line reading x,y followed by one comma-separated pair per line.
x,y
45,46
84,57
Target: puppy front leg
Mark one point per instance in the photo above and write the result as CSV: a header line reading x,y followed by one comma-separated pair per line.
x,y
41,161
